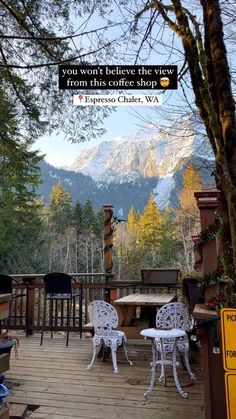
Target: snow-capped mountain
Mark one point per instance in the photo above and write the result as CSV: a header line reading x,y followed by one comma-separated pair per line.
x,y
161,154
126,170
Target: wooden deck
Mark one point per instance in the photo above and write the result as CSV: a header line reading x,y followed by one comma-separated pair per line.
x,y
54,382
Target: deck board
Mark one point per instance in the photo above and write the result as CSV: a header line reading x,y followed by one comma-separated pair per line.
x,y
53,378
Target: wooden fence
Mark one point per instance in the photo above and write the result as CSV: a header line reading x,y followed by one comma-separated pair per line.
x,y
28,300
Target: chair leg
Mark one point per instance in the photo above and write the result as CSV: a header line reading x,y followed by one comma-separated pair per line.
x,y
51,317
114,357
125,351
162,377
187,365
68,321
96,347
174,365
9,316
44,320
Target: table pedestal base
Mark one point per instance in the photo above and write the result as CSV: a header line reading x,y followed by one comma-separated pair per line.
x,y
164,362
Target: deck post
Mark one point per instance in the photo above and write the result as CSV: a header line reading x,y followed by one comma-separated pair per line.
x,y
30,303
108,231
197,253
207,202
207,260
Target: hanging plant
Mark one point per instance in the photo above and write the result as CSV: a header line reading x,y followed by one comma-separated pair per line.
x,y
212,277
217,302
207,234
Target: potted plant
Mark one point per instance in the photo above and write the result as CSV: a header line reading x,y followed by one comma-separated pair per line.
x,y
193,288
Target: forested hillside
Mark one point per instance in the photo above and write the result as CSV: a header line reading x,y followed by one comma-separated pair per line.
x,y
156,238
122,195
68,236
81,187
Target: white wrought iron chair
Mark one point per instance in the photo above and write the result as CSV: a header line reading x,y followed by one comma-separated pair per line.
x,y
104,318
176,316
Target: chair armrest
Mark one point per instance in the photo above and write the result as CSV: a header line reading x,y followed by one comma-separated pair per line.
x,y
75,295
19,295
15,280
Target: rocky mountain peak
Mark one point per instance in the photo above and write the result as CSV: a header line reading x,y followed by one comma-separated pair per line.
x,y
126,170
154,153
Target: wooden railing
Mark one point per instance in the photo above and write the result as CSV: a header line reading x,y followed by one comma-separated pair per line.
x,y
28,300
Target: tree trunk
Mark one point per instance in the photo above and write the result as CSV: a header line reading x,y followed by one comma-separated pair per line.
x,y
216,105
211,82
67,253
92,253
226,164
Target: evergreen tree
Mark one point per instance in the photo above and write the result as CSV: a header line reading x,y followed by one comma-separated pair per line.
x,y
89,222
89,217
60,208
170,246
148,240
98,223
22,232
60,225
78,218
88,237
132,221
149,226
78,227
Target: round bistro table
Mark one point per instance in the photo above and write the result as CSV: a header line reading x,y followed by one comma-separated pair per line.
x,y
161,335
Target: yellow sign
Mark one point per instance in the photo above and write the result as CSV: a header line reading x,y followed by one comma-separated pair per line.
x,y
228,330
230,386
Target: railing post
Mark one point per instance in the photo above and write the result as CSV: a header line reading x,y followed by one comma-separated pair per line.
x,y
107,213
214,392
81,310
207,202
113,295
30,304
108,231
197,253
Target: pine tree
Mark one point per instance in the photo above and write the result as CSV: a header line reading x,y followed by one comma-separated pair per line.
x,y
89,217
60,224
149,226
89,225
78,229
60,208
132,221
78,218
22,232
170,246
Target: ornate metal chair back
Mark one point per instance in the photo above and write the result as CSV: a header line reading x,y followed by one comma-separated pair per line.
x,y
174,315
103,316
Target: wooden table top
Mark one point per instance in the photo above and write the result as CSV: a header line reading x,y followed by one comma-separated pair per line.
x,y
5,298
146,299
